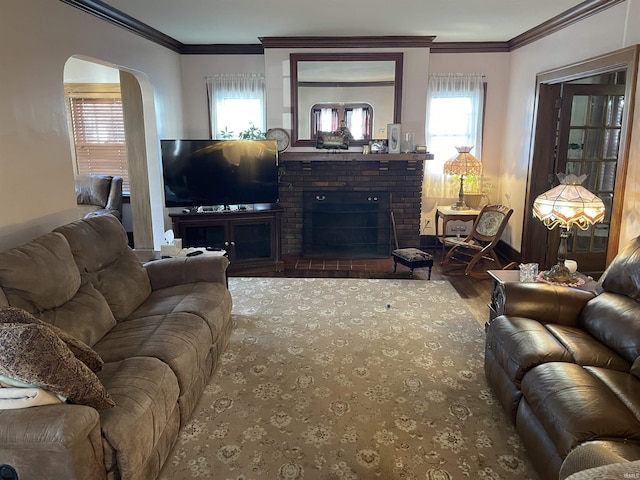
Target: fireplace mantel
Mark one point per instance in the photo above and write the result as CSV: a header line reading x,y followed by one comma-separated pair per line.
x,y
352,156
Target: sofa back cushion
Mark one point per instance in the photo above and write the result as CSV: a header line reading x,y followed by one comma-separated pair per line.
x,y
100,249
39,275
614,320
42,278
623,275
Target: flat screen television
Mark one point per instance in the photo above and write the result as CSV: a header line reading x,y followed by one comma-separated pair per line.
x,y
219,172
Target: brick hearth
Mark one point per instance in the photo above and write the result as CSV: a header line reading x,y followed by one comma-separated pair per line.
x,y
402,178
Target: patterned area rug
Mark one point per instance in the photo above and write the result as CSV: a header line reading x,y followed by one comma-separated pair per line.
x,y
349,379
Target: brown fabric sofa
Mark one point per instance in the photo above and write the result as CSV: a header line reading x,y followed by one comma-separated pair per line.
x,y
160,329
565,366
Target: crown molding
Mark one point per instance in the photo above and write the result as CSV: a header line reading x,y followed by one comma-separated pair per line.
x,y
223,49
469,47
566,18
348,42
116,17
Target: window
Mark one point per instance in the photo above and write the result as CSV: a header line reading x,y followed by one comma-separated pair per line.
x,y
358,118
236,103
97,128
454,106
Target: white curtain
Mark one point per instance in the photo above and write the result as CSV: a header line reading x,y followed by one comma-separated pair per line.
x,y
454,118
239,98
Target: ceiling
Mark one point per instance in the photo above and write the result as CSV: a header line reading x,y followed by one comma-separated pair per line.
x,y
244,21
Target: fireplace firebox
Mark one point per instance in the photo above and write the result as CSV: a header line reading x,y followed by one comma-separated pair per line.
x,y
346,224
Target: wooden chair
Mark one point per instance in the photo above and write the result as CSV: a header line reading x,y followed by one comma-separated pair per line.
x,y
480,243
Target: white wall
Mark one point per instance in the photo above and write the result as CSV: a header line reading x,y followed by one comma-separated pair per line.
x,y
195,70
37,37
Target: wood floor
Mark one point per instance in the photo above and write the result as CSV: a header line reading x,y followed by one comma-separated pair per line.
x,y
475,292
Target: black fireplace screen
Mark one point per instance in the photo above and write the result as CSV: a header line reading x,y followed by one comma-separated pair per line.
x,y
346,224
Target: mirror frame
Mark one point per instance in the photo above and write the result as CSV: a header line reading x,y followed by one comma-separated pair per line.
x,y
396,57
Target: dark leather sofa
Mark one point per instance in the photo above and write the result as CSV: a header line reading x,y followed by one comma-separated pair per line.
x,y
565,365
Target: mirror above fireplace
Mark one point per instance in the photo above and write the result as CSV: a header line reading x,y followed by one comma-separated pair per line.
x,y
369,81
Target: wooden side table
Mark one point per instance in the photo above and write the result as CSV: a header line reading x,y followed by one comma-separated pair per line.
x,y
498,295
447,215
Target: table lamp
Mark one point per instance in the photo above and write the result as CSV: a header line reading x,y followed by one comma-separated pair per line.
x,y
463,164
566,205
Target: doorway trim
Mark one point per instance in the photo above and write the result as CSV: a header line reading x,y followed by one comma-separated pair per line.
x,y
541,157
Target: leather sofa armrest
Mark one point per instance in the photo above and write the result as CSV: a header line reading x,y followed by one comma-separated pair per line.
x,y
52,441
545,303
181,270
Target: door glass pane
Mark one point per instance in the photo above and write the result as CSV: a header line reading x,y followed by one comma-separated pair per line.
x,y
611,143
607,176
591,169
600,237
582,240
598,110
574,168
593,144
579,111
616,104
576,143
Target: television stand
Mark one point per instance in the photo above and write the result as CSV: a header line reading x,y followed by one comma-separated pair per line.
x,y
250,237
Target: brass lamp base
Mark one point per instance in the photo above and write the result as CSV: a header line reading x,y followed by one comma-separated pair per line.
x,y
559,273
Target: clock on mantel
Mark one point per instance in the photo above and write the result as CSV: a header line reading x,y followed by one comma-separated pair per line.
x,y
281,136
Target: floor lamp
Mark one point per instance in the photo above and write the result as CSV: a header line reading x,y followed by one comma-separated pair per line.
x,y
463,164
566,205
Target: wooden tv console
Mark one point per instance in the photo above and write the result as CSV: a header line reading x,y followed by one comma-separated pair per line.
x,y
250,237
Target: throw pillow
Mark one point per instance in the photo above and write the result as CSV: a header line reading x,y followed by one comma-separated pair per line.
x,y
82,352
33,354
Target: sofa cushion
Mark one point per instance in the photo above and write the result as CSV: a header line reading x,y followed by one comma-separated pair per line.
x,y
145,407
39,275
613,320
33,354
210,301
82,352
623,274
101,251
86,316
519,344
575,405
181,340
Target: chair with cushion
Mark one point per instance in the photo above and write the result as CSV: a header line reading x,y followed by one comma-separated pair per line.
x,y
99,195
479,245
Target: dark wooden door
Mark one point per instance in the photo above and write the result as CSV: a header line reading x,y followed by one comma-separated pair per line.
x,y
589,143
578,131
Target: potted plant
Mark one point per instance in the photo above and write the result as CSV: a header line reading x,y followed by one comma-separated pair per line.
x,y
473,194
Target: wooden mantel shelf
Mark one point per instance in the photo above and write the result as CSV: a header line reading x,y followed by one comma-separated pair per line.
x,y
352,156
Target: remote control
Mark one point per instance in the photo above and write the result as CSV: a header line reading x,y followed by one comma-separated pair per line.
x,y
194,253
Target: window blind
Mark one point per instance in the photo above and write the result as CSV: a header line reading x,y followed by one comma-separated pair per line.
x,y
98,135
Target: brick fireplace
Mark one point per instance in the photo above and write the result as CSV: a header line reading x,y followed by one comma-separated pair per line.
x,y
400,177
